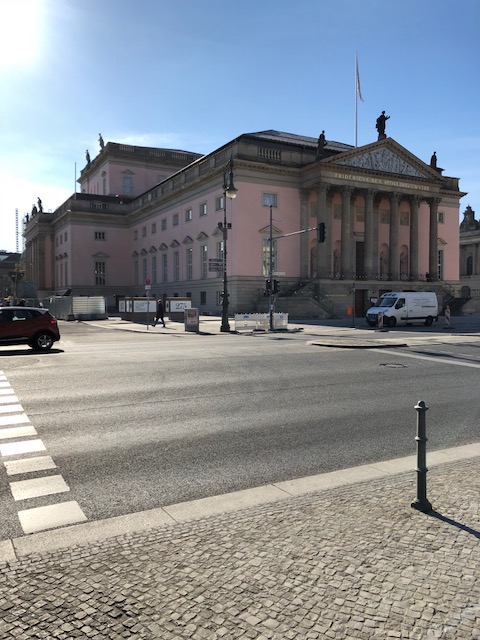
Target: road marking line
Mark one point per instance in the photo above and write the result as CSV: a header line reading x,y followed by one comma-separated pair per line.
x,y
5,421
29,465
4,399
17,432
4,392
457,363
4,384
35,487
25,446
11,408
55,515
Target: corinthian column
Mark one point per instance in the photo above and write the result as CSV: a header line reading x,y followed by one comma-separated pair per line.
x,y
433,239
304,241
393,237
414,204
324,250
369,229
347,232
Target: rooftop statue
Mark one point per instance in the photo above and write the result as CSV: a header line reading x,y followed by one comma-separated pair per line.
x,y
380,126
433,160
87,156
101,142
321,143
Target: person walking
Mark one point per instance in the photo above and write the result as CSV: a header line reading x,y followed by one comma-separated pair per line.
x,y
160,312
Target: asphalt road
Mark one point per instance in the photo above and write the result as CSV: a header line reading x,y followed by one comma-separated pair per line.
x,y
137,421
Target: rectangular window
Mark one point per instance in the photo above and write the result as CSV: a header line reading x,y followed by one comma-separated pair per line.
x,y
135,272
189,263
100,274
65,236
104,186
266,257
176,266
203,297
100,235
360,214
220,249
144,269
127,185
218,297
164,267
384,216
440,264
144,232
135,235
203,209
405,218
154,227
441,217
219,204
175,219
154,269
163,224
269,199
203,261
188,215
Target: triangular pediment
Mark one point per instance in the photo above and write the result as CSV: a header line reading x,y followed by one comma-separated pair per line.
x,y
384,156
275,230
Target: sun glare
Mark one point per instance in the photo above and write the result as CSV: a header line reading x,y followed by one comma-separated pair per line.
x,y
20,28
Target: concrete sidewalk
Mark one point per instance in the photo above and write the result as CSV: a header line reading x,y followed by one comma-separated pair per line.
x,y
336,556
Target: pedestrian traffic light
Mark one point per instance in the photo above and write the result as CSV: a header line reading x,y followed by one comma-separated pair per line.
x,y
268,285
321,232
275,286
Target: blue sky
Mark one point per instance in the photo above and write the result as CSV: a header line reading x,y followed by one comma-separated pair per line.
x,y
194,74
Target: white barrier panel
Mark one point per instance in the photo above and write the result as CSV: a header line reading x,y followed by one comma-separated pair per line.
x,y
260,321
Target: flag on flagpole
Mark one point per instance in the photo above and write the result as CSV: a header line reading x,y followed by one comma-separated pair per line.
x,y
357,79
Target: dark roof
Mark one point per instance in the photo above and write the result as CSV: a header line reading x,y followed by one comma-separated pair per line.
x,y
293,138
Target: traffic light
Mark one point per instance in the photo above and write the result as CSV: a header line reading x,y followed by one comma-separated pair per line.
x,y
321,232
275,286
268,285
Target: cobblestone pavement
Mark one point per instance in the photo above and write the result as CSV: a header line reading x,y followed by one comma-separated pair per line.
x,y
351,562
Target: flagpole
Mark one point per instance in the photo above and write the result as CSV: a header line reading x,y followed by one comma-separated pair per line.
x,y
356,98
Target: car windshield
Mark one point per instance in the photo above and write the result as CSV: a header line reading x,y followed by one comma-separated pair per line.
x,y
387,302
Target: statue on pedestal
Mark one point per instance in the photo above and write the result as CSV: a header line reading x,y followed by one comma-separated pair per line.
x,y
321,143
380,126
101,142
87,156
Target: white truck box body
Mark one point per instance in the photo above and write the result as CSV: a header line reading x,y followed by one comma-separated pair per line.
x,y
405,307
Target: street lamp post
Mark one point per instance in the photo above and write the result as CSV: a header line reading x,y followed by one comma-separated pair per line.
x,y
229,191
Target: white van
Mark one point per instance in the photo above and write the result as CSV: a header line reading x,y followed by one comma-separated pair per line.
x,y
405,307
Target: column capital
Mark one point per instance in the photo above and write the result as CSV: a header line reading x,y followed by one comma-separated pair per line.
x,y
415,199
370,194
434,202
394,197
304,195
323,186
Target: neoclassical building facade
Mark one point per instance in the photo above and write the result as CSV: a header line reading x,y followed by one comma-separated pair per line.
x,y
152,215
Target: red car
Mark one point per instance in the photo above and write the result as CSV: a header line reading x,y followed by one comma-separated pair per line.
x,y
28,325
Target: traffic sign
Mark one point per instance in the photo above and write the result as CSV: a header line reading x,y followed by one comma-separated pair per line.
x,y
148,281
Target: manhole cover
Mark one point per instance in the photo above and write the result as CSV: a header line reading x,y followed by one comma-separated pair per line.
x,y
394,365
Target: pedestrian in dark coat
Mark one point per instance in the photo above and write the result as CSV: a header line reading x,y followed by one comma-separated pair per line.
x,y
160,312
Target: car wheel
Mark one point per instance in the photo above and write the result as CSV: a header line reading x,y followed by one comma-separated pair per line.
x,y
429,321
42,341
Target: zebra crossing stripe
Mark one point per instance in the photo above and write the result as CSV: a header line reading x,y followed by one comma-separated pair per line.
x,y
17,432
54,515
36,487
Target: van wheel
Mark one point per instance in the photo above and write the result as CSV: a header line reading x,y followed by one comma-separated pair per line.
x,y
391,322
429,321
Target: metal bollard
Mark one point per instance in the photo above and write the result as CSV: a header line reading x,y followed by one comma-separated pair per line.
x,y
421,503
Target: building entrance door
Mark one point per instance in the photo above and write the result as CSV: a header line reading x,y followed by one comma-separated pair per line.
x,y
359,259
